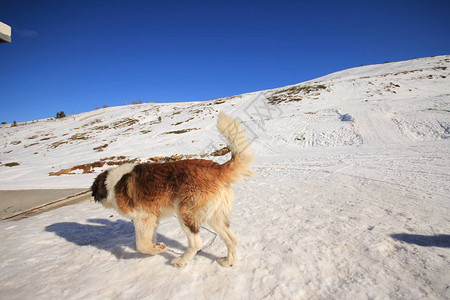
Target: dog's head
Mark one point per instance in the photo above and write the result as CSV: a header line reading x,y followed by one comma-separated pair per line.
x,y
98,188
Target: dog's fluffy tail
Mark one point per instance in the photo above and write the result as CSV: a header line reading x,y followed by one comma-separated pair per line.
x,y
238,167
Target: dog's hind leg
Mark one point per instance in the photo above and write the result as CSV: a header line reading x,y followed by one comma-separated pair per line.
x,y
145,230
193,237
221,224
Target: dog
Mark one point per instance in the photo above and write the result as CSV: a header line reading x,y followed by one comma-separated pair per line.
x,y
197,190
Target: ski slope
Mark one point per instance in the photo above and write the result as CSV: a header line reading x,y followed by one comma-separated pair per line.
x,y
350,201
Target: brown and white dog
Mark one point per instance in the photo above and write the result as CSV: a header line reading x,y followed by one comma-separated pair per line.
x,y
198,190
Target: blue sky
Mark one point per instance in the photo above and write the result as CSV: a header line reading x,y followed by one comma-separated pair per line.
x,y
75,56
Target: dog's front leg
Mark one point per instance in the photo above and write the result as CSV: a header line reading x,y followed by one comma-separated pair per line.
x,y
145,230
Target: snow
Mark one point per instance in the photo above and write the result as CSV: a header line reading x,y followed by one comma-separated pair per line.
x,y
351,198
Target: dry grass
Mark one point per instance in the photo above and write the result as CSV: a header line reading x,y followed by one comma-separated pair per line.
x,y
12,164
100,148
162,159
437,109
89,167
119,160
179,123
79,136
220,152
124,123
225,99
114,158
103,127
30,145
295,93
57,144
181,131
96,121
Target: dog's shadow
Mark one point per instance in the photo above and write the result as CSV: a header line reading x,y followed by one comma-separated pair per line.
x,y
116,237
440,240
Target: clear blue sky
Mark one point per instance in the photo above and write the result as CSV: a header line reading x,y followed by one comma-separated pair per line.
x,y
77,55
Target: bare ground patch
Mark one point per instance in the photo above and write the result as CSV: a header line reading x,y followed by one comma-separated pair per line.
x,y
89,168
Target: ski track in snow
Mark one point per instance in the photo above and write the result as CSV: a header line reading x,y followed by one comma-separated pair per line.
x,y
350,200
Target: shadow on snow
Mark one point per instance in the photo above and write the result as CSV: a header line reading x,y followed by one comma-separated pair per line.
x,y
116,237
440,240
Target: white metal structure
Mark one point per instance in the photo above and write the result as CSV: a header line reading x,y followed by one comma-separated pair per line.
x,y
5,33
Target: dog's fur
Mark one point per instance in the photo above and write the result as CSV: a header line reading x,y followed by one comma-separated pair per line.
x,y
197,190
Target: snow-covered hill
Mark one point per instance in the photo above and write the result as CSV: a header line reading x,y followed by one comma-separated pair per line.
x,y
351,198
387,104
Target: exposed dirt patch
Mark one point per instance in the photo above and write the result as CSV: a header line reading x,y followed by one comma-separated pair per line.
x,y
124,123
295,93
11,164
119,160
181,131
89,167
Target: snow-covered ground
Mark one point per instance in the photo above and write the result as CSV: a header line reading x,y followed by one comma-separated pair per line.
x,y
351,198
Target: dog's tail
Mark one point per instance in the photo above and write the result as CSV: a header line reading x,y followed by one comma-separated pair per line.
x,y
238,167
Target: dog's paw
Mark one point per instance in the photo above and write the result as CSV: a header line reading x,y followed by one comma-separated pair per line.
x,y
160,247
153,249
224,262
179,262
